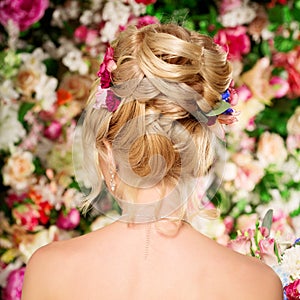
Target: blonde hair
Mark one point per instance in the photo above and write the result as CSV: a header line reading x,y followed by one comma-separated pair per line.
x,y
163,72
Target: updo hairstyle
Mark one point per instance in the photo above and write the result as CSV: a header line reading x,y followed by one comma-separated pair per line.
x,y
163,72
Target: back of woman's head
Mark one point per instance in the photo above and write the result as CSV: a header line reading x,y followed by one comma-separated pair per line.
x,y
165,75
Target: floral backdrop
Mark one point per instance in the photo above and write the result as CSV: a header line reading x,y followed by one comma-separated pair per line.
x,y
50,52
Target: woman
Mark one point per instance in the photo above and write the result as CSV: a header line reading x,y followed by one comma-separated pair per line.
x,y
147,133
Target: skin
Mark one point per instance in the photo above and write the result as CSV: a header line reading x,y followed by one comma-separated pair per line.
x,y
110,263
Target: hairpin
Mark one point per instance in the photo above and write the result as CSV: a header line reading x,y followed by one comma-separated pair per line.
x,y
225,114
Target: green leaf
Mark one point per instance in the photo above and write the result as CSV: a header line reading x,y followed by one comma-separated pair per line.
x,y
283,45
24,108
223,107
267,220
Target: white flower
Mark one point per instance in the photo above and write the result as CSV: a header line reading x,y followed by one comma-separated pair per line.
x,y
96,4
73,9
238,16
73,60
291,261
137,9
211,228
18,170
228,171
7,91
35,60
108,31
39,239
59,16
45,91
102,221
86,18
11,130
117,12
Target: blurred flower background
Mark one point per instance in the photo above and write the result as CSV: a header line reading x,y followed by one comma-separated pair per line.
x,y
50,52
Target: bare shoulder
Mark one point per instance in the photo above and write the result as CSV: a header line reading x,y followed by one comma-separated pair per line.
x,y
48,265
258,279
253,279
240,276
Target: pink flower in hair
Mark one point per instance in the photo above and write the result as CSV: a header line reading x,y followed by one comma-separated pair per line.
x,y
106,67
107,99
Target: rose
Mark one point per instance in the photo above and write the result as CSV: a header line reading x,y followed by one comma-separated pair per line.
x,y
249,171
26,215
293,290
293,124
293,142
290,61
235,40
18,170
271,149
68,220
267,251
22,12
53,131
77,85
13,289
26,81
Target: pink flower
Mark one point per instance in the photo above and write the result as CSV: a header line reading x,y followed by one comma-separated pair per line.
x,y
146,20
293,290
245,222
242,244
290,62
68,221
293,142
146,2
14,198
267,251
235,40
92,37
249,171
106,67
280,86
53,131
244,93
228,222
13,289
22,12
26,215
81,33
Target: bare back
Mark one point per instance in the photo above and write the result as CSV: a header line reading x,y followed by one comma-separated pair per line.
x,y
121,262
